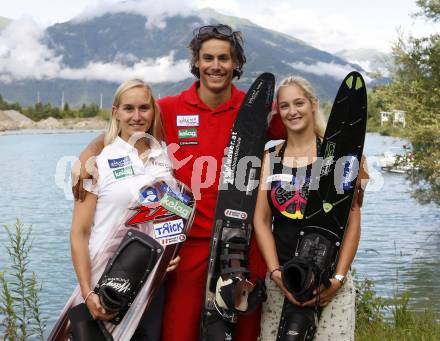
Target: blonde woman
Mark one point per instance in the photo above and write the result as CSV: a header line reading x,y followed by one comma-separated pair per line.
x,y
123,167
281,204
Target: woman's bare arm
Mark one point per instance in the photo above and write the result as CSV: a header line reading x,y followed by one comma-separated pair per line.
x,y
83,168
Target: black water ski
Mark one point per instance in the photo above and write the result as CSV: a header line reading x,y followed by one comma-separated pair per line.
x,y
328,207
234,212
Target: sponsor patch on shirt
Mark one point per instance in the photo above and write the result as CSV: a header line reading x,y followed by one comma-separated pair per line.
x,y
187,120
120,162
168,228
188,143
162,164
187,133
122,173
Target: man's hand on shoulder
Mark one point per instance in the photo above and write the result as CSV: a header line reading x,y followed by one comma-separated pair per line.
x,y
85,167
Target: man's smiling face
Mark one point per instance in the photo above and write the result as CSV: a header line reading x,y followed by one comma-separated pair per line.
x,y
216,65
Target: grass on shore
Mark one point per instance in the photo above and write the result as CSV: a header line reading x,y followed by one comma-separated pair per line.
x,y
381,319
421,327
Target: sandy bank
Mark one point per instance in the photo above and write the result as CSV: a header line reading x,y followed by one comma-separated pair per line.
x,y
14,122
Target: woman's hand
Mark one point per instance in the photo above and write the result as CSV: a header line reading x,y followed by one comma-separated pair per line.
x,y
276,277
97,310
325,294
173,264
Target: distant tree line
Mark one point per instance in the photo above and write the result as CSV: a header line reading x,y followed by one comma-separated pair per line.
x,y
40,111
415,88
4,105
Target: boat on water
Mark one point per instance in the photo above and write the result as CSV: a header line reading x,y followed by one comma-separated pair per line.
x,y
397,163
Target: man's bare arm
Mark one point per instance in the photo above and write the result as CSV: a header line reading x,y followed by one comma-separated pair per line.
x,y
82,168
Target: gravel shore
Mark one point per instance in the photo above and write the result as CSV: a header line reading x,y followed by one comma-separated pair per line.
x,y
13,122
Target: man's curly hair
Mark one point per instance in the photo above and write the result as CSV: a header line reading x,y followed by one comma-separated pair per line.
x,y
237,51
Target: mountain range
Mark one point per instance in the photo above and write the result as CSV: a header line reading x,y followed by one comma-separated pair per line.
x,y
127,40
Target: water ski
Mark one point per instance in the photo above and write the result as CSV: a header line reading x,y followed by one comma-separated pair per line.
x,y
331,192
228,291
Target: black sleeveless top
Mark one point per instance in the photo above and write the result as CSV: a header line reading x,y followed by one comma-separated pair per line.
x,y
287,197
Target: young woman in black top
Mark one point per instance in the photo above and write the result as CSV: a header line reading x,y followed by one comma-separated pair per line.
x,y
281,203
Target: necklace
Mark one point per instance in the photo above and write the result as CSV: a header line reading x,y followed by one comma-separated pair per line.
x,y
299,160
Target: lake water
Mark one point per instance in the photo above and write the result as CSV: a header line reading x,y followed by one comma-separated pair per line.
x,y
399,249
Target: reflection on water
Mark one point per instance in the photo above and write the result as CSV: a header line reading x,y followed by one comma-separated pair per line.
x,y
400,245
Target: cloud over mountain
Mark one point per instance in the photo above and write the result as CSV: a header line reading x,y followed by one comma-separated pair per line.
x,y
24,54
90,55
337,71
154,11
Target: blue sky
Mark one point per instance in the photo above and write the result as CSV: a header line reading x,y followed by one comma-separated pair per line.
x,y
329,25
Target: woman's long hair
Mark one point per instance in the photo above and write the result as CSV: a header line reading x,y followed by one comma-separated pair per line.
x,y
113,130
